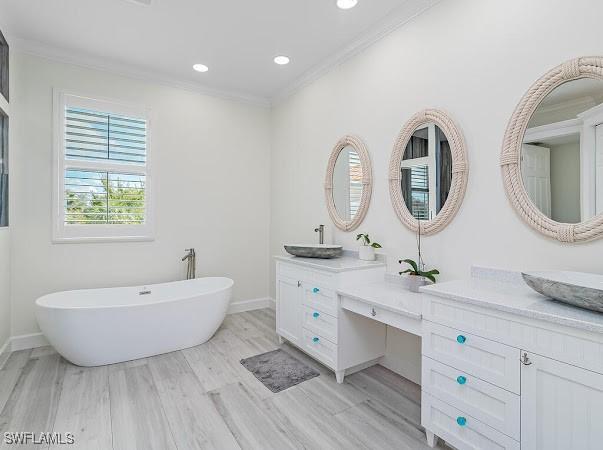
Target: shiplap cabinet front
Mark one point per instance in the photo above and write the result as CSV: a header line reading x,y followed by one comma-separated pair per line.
x,y
289,313
561,406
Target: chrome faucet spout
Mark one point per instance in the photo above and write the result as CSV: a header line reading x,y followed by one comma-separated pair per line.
x,y
321,233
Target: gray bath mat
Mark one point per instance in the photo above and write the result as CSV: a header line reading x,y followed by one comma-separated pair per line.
x,y
278,370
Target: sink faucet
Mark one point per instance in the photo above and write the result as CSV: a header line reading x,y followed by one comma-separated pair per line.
x,y
321,233
191,268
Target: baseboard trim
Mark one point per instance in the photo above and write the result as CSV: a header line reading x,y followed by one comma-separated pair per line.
x,y
404,369
27,341
249,305
4,352
362,366
5,347
272,303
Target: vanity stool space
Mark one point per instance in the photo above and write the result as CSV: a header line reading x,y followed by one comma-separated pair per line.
x,y
309,317
506,368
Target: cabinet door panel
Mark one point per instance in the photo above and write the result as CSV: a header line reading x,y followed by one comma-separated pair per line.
x,y
289,313
561,406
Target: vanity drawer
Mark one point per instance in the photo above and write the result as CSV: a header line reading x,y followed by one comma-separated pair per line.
x,y
321,299
459,428
293,271
400,321
320,323
324,279
491,361
319,347
489,404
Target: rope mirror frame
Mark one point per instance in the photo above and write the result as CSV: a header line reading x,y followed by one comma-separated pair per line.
x,y
460,172
367,182
510,158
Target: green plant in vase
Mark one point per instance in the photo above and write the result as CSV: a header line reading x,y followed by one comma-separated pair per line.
x,y
366,251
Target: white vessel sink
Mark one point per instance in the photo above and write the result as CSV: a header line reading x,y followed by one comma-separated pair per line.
x,y
584,290
324,251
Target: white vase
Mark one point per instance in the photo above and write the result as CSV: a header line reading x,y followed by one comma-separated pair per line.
x,y
414,282
366,253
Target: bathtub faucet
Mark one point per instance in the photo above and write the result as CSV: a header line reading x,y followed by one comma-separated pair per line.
x,y
191,268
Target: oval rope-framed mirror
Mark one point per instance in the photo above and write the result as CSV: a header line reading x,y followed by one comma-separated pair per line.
x,y
348,183
410,184
527,132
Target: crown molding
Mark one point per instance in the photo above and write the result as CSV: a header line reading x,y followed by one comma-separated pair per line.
x,y
83,60
403,15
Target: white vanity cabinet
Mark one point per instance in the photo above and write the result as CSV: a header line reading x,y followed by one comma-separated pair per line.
x,y
308,313
495,379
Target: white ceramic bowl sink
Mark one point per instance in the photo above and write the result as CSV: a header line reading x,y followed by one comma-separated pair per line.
x,y
584,290
324,251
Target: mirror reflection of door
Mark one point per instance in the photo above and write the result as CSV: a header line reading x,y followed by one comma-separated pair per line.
x,y
347,183
426,172
568,126
536,175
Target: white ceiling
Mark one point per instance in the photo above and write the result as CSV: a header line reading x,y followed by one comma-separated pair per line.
x,y
237,39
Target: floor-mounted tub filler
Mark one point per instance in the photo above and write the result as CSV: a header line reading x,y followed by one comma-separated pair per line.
x,y
94,327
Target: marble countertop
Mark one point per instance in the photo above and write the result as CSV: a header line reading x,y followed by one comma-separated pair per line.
x,y
508,293
342,264
389,295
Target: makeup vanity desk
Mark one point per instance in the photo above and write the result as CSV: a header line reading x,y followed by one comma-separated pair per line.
x,y
502,366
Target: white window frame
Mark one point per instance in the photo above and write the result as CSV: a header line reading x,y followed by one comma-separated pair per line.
x,y
72,233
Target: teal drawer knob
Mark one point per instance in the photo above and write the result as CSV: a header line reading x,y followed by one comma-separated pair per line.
x,y
315,339
461,339
315,315
316,290
461,421
461,379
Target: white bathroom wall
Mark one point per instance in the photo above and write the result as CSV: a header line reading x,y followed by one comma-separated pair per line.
x,y
211,190
472,58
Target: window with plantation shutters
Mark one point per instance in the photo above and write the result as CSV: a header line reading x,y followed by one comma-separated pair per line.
x,y
102,179
355,182
419,183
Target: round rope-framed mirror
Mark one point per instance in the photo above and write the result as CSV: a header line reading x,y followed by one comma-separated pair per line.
x,y
552,155
428,172
348,183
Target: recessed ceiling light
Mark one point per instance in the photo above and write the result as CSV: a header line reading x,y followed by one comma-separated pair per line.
x,y
346,4
282,60
200,67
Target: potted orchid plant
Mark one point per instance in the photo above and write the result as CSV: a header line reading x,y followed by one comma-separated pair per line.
x,y
416,274
366,252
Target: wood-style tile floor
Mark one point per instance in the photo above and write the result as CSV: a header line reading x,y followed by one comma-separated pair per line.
x,y
202,397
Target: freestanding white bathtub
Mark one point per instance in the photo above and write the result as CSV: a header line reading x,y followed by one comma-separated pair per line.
x,y
94,327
